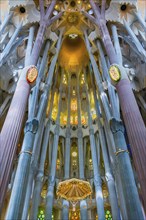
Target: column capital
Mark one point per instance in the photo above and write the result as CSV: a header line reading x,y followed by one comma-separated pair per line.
x,y
51,180
116,126
109,177
31,126
97,180
91,131
40,176
57,130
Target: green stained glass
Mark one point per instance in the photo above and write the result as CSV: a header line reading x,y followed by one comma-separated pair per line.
x,y
41,215
108,215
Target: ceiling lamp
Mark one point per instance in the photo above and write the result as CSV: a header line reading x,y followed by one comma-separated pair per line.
x,y
74,190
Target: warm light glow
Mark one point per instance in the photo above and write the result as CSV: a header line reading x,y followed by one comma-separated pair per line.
x,y
73,104
74,154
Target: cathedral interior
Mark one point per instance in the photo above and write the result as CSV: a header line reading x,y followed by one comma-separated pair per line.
x,y
73,109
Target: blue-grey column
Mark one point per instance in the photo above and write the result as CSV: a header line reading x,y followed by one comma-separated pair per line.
x,y
5,22
19,189
33,167
40,174
135,39
110,140
51,184
29,45
97,177
140,19
116,113
108,174
65,208
111,89
83,203
38,137
10,44
116,44
85,149
34,164
114,162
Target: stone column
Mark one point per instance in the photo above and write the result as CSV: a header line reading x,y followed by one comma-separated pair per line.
x,y
116,44
51,184
118,133
10,44
140,19
97,177
65,210
85,150
115,168
11,131
34,166
31,127
29,45
5,22
111,89
38,137
83,203
133,120
108,174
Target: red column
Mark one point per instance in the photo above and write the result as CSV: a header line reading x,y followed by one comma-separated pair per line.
x,y
136,131
11,131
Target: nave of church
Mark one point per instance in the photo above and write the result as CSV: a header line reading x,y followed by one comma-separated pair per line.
x,y
73,110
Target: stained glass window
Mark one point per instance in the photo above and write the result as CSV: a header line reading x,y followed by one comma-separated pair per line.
x,y
108,215
41,215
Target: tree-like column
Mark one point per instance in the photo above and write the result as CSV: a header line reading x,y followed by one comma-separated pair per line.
x,y
133,121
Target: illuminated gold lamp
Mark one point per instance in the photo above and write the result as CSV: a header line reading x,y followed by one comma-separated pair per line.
x,y
74,190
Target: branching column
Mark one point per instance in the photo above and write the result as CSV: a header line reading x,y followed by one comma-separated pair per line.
x,y
21,178
33,103
83,203
133,120
97,177
125,168
108,174
13,123
51,184
65,211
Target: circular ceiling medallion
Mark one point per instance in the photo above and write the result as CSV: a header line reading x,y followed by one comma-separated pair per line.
x,y
115,73
32,74
73,18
